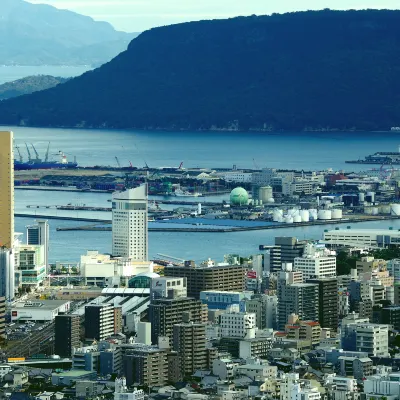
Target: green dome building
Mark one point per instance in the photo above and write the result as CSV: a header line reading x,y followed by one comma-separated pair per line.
x,y
239,197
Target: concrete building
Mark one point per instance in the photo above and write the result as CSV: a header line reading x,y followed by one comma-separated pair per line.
x,y
209,277
385,385
303,330
32,264
391,316
99,321
7,190
165,313
38,310
145,366
7,274
284,251
169,288
189,341
348,331
301,299
86,359
38,234
67,334
224,368
130,224
265,307
316,262
365,238
373,339
369,264
236,324
121,391
2,317
328,300
221,299
358,367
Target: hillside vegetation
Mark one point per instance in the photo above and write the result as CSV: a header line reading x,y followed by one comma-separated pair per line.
x,y
299,71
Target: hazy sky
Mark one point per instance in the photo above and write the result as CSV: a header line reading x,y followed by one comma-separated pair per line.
x,y
139,15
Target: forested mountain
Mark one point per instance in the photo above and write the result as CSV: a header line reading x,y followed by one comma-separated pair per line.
x,y
310,70
29,85
37,34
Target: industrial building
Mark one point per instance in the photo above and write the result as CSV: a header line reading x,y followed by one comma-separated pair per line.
x,y
366,238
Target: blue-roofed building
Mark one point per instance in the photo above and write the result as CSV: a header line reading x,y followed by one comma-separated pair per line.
x,y
220,299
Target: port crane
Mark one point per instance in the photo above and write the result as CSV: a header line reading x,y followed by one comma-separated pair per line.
x,y
28,151
46,157
116,159
19,154
36,153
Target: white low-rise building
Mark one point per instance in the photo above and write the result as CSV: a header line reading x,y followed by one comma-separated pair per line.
x,y
373,339
236,324
38,310
382,386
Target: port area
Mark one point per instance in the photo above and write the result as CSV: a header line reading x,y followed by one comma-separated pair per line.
x,y
210,225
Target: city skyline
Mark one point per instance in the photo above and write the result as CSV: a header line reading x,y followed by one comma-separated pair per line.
x,y
140,15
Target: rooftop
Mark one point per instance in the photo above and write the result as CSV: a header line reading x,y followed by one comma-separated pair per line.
x,y
41,304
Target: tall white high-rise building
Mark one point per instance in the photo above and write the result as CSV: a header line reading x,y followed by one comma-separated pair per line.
x,y
129,224
39,235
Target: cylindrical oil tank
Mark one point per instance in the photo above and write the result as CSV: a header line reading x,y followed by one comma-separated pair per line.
x,y
371,196
361,197
305,215
375,210
277,214
368,210
256,202
293,212
384,208
337,214
395,209
288,219
297,218
313,214
271,200
324,214
265,193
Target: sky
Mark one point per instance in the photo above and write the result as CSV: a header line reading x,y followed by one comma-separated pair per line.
x,y
139,15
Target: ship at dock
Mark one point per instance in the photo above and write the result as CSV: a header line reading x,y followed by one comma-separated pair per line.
x,y
33,163
380,157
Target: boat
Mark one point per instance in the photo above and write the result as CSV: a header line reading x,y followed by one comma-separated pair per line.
x,y
380,157
185,193
38,163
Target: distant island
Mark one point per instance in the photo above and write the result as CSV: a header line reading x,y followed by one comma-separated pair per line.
x,y
308,71
38,34
29,85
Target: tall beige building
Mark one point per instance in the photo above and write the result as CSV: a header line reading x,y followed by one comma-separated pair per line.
x,y
6,189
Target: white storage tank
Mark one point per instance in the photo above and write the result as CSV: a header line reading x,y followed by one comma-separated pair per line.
x,y
277,215
313,214
368,210
337,214
371,195
297,218
265,193
305,215
375,210
324,214
384,209
293,212
271,200
256,202
361,197
288,219
395,209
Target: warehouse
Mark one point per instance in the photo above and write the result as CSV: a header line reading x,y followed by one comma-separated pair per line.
x,y
38,310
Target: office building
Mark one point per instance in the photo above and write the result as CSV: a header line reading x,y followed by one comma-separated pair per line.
x,y
265,307
99,321
121,391
67,334
2,317
165,313
390,316
32,264
316,262
39,235
86,358
130,224
236,324
189,341
7,274
328,300
145,366
285,250
169,288
209,277
7,190
348,330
